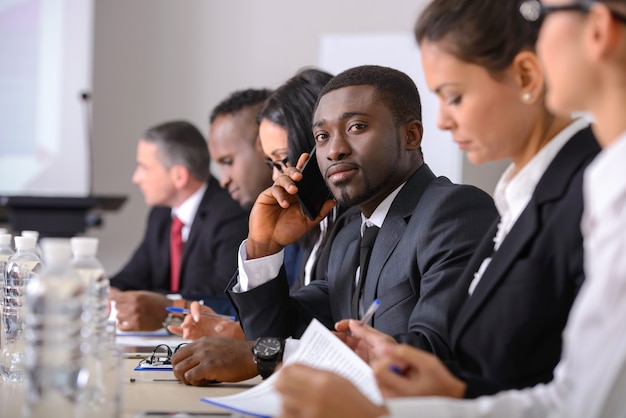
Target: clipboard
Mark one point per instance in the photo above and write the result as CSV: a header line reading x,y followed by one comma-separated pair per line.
x,y
154,363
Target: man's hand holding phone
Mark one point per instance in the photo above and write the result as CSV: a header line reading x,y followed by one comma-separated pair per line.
x,y
277,219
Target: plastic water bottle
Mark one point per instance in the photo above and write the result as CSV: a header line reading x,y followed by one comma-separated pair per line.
x,y
6,251
34,234
53,359
20,269
95,317
92,272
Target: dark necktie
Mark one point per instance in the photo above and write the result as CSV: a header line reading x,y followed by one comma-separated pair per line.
x,y
367,243
176,253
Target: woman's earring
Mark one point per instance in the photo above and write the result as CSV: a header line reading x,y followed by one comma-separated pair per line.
x,y
527,97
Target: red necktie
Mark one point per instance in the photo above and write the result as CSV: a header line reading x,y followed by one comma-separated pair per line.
x,y
176,253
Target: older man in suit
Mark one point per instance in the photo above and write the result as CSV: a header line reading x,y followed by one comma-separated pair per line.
x,y
368,133
189,248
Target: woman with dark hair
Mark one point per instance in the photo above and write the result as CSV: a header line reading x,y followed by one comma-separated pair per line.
x,y
285,134
512,301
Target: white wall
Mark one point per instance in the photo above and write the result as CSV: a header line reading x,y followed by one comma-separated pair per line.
x,y
157,60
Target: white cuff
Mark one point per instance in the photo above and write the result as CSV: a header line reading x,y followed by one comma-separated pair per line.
x,y
253,273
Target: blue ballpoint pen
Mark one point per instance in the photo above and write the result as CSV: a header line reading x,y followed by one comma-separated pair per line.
x,y
370,312
210,315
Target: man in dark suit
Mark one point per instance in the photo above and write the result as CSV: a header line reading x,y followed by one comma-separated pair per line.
x,y
368,132
173,174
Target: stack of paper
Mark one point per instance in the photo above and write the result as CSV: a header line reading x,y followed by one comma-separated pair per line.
x,y
318,348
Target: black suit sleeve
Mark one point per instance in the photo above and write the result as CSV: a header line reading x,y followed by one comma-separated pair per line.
x,y
140,272
456,220
269,310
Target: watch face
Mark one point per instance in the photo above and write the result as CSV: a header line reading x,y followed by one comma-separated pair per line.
x,y
267,347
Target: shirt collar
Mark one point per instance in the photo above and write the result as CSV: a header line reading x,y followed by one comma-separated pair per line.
x,y
514,191
186,212
380,213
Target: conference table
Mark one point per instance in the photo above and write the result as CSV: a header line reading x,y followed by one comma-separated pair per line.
x,y
145,393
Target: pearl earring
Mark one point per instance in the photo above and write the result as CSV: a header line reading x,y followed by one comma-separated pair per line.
x,y
527,96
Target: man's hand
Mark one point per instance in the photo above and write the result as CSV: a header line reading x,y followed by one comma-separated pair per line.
x,y
139,310
314,393
407,371
364,340
214,359
196,326
276,219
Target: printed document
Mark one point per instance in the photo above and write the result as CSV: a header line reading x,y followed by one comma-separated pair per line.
x,y
318,348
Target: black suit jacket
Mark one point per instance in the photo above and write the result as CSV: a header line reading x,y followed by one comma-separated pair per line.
x,y
209,255
507,334
427,238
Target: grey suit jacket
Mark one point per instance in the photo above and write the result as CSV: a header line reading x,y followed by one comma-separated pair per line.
x,y
429,234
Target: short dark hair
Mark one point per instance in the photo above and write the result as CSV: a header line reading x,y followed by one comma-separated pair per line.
x,y
239,100
489,33
180,142
291,106
394,88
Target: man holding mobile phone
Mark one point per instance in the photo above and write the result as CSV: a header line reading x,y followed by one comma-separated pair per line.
x,y
368,131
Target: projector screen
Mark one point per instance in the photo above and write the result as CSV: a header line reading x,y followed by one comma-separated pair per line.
x,y
46,63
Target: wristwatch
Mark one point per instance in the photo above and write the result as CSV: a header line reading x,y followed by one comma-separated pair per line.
x,y
268,352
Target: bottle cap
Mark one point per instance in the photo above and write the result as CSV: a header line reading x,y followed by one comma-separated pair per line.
x,y
84,245
33,234
25,243
5,240
56,250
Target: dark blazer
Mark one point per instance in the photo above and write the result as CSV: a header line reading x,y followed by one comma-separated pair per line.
x,y
507,334
429,234
209,255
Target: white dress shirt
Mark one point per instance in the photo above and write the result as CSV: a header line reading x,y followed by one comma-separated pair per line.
x,y
186,212
590,380
515,189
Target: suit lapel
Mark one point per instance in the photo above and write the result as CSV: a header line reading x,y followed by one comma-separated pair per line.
x,y
342,282
345,288
195,230
523,231
552,186
393,228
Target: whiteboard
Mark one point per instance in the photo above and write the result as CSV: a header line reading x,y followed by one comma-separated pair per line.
x,y
46,55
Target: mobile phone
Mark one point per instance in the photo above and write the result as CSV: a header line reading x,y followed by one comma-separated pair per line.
x,y
312,189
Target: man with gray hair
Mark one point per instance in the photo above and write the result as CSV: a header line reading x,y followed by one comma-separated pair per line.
x,y
193,231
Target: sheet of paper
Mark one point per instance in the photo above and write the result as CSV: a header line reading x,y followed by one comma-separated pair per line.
x,y
318,348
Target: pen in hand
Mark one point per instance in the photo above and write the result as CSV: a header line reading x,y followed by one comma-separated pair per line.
x,y
370,312
210,315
